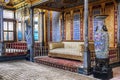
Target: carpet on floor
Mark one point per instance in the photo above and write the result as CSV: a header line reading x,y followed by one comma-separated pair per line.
x,y
66,64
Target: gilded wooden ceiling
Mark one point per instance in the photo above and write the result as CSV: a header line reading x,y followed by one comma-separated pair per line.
x,y
17,3
62,4
49,4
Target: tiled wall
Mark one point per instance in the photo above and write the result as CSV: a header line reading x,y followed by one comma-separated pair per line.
x,y
56,37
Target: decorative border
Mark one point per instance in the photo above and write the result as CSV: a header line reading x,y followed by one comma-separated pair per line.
x,y
91,28
64,26
71,21
50,25
115,25
81,24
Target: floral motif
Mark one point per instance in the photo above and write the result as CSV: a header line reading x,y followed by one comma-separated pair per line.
x,y
101,44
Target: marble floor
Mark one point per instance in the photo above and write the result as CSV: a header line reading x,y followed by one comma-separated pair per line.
x,y
24,70
116,73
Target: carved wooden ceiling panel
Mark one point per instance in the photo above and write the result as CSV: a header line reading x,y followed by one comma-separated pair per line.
x,y
50,4
62,4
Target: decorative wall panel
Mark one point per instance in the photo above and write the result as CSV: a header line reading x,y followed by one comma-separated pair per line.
x,y
90,25
76,26
115,23
110,24
82,26
68,27
56,37
48,26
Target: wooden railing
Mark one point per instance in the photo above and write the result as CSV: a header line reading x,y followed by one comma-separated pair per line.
x,y
15,49
40,50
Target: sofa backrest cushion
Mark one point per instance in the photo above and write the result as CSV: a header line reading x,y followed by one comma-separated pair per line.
x,y
56,45
74,45
78,45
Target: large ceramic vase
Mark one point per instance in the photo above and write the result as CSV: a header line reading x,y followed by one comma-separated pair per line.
x,y
102,69
101,39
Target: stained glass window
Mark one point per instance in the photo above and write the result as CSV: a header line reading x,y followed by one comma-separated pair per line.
x,y
76,27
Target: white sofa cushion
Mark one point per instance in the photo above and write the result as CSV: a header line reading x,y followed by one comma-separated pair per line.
x,y
73,45
68,51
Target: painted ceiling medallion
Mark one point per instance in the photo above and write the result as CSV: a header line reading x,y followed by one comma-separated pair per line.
x,y
7,1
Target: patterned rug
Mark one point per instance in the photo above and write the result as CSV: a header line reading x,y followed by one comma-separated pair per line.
x,y
70,65
24,70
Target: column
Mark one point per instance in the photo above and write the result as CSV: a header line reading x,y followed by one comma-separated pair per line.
x,y
119,30
1,32
71,22
62,26
32,35
42,25
39,25
87,61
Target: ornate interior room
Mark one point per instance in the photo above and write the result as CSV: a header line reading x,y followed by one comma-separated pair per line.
x,y
81,36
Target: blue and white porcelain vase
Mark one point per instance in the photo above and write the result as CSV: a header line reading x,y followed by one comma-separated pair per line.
x,y
101,39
